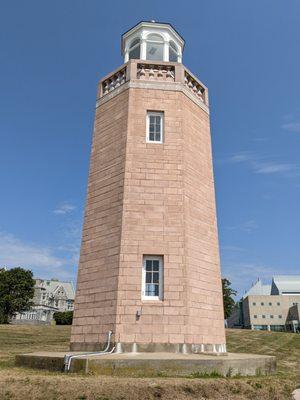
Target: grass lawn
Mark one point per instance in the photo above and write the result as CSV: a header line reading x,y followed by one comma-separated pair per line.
x,y
19,383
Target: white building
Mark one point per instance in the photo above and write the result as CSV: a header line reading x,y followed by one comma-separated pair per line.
x,y
50,296
274,307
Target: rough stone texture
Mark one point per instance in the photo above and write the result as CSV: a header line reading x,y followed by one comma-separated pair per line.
x,y
150,199
155,364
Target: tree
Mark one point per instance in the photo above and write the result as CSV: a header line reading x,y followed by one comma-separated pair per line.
x,y
16,292
228,300
63,318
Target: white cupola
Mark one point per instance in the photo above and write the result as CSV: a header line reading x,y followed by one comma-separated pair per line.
x,y
152,41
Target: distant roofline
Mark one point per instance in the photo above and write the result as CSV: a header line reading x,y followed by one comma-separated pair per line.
x,y
286,277
52,280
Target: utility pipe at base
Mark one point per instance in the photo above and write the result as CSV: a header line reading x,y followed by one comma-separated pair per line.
x,y
68,358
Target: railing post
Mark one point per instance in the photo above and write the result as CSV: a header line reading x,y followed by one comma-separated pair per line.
x,y
131,70
206,99
179,73
100,89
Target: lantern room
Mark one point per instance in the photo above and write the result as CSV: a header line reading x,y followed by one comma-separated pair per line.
x,y
152,41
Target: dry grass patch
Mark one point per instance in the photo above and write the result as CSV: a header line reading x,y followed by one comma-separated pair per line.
x,y
18,383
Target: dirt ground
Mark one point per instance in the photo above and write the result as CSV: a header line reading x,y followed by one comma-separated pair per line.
x,y
18,383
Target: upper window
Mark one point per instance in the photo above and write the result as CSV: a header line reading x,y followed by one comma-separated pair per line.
x,y
152,284
173,54
155,127
135,49
155,48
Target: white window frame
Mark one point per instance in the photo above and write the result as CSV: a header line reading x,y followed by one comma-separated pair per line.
x,y
155,114
161,278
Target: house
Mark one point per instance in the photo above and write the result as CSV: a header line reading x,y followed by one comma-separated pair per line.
x,y
272,307
50,296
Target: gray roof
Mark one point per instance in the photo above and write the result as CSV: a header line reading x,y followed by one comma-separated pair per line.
x,y
286,284
281,284
51,285
258,289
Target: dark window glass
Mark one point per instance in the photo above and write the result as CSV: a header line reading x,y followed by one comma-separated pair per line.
x,y
155,128
134,51
173,57
152,278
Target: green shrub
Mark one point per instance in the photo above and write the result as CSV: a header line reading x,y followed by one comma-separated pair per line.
x,y
63,318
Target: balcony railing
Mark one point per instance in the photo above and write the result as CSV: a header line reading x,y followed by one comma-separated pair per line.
x,y
156,72
194,86
114,81
161,72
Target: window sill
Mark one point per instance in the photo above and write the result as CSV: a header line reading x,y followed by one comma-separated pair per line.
x,y
153,301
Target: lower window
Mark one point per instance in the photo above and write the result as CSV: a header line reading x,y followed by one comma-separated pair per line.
x,y
152,284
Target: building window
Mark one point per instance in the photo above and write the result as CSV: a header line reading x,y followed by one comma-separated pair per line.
x,y
155,48
262,304
255,316
271,316
263,316
280,316
152,284
278,304
135,49
270,304
155,122
254,304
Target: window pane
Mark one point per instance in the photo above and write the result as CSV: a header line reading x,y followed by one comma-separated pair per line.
x,y
134,53
148,263
154,37
152,119
134,42
152,128
157,137
150,289
155,51
172,55
148,277
151,136
155,277
156,290
155,265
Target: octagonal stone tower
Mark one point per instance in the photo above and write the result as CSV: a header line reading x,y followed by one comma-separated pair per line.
x,y
149,263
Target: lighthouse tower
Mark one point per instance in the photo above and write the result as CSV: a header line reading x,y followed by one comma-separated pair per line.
x,y
149,263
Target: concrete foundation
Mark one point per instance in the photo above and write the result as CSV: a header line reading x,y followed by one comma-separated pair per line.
x,y
155,364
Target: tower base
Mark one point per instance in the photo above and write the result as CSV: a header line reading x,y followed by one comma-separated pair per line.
x,y
155,364
183,348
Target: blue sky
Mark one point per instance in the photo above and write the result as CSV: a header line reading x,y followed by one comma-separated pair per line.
x,y
52,55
